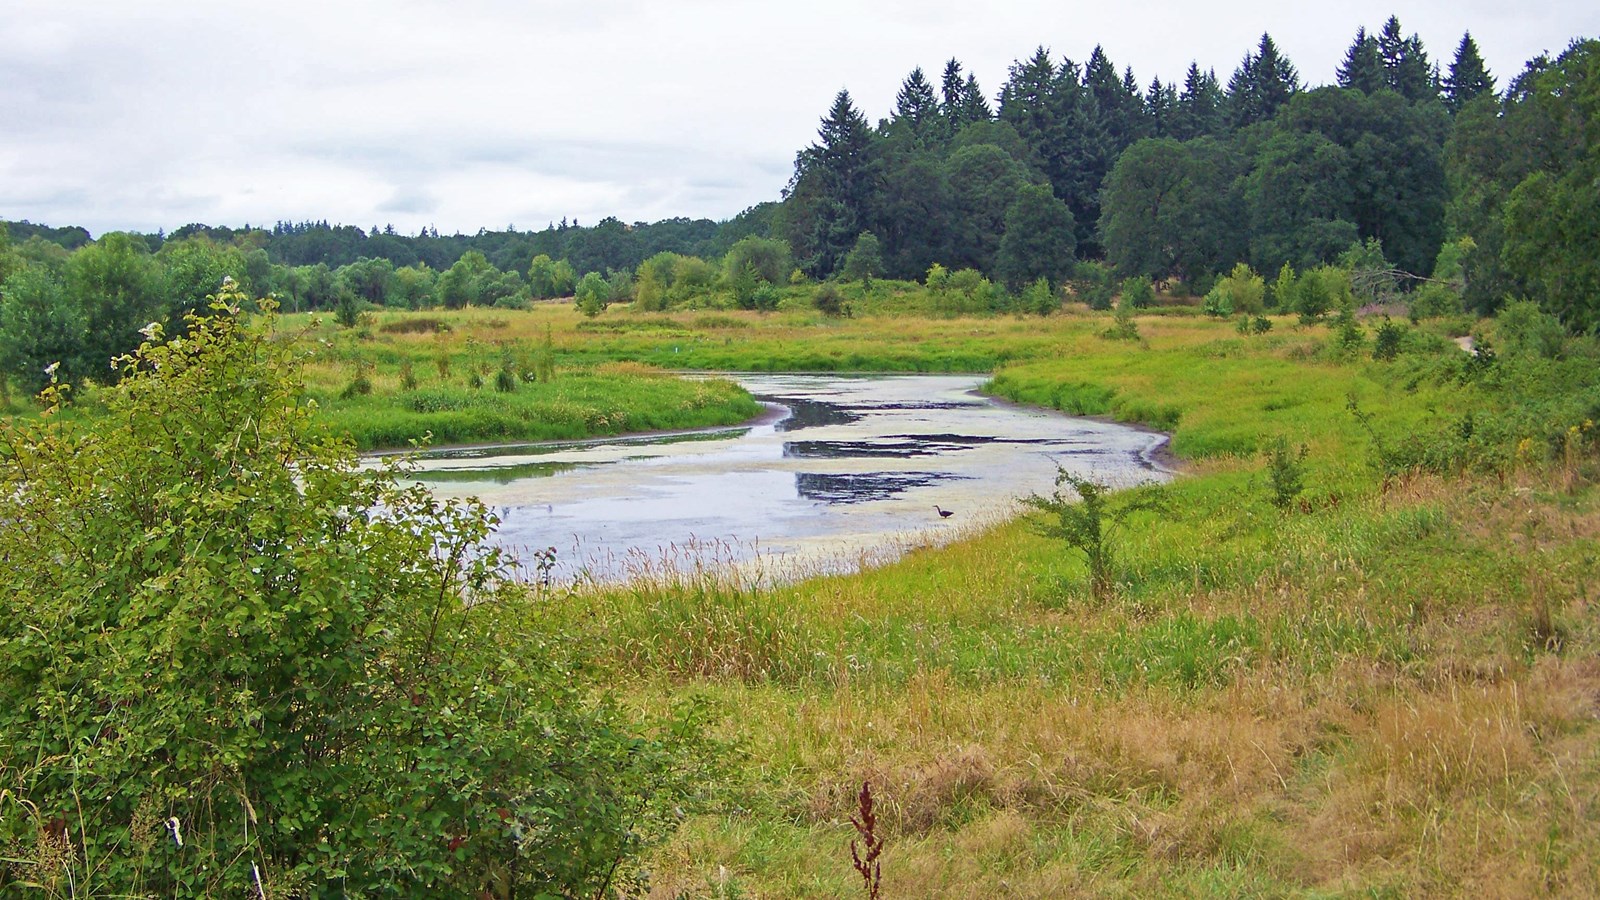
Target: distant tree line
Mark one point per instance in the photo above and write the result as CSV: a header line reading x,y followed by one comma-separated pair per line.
x,y
1075,174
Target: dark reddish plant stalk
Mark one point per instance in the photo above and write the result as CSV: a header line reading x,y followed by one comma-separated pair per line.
x,y
866,823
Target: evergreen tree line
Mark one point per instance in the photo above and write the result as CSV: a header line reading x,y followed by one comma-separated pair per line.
x,y
1425,178
1267,170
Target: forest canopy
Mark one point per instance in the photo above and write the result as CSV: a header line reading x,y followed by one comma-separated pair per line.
x,y
1075,172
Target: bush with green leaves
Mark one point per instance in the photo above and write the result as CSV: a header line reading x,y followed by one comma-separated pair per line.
x,y
1286,471
1319,290
1386,342
1526,330
1087,519
1137,292
592,295
1093,283
829,301
1124,328
232,663
1040,298
1241,290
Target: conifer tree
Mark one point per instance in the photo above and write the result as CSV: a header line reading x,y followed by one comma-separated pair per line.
x,y
1405,64
915,105
974,106
1161,108
962,101
1469,78
1028,102
950,89
834,180
1262,84
1362,69
1120,106
1138,112
1200,106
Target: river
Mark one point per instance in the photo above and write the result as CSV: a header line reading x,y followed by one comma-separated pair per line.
x,y
844,471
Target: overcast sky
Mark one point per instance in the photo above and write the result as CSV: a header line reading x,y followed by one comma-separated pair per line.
x,y
487,113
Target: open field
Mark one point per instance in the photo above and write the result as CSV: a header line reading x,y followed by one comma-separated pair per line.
x,y
1387,688
1386,685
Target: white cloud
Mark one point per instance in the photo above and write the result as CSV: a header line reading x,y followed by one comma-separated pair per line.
x,y
491,112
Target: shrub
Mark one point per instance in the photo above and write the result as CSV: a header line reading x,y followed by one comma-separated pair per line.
x,y
1218,303
505,380
1283,291
765,298
1092,282
829,301
1087,521
1241,291
1386,343
1138,292
232,663
360,382
1348,337
347,312
1319,290
1434,301
1040,298
593,295
1526,330
1124,327
1286,472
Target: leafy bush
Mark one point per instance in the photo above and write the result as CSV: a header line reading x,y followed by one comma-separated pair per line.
x,y
232,664
1138,292
347,312
1386,343
1241,291
1286,471
1125,328
1040,298
1093,283
1434,301
1218,303
1526,330
1086,520
1319,290
593,294
829,301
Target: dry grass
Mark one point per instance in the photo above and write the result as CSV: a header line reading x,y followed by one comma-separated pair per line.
x,y
1386,692
1455,757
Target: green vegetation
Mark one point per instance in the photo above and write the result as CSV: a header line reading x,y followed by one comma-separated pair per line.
x,y
231,663
1376,685
474,378
1350,652
1392,662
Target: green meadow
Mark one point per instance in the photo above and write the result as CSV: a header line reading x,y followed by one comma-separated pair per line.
x,y
1384,687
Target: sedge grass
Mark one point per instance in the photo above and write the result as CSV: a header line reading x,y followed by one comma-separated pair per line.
x,y
1359,694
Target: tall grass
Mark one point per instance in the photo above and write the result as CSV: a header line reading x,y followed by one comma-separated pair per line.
x,y
1386,688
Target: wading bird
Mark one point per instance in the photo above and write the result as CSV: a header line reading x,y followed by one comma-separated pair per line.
x,y
943,513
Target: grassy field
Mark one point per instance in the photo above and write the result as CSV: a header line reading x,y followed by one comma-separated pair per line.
x,y
1387,688
480,376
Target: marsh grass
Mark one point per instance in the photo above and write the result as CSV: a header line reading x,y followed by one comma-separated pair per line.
x,y
1361,697
1390,691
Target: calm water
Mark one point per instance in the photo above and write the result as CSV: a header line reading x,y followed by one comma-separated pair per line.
x,y
845,471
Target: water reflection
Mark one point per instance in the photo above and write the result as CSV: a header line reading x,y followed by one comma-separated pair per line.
x,y
862,488
876,455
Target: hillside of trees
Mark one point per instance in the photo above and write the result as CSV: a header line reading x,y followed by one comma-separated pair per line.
x,y
1401,180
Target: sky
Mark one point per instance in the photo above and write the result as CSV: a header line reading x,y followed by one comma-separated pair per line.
x,y
494,113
